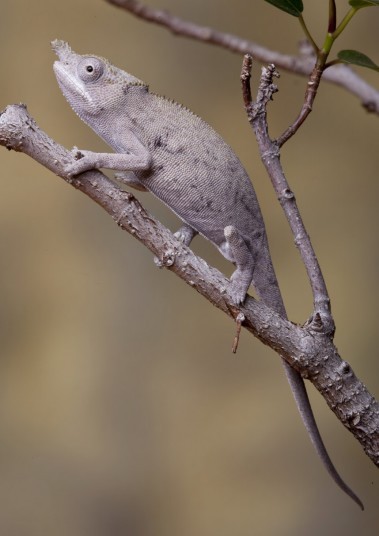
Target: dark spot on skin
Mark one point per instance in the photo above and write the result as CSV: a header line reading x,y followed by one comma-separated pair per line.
x,y
256,235
246,206
158,142
206,165
243,201
209,204
161,142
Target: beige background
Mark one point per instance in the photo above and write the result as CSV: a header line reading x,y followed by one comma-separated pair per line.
x,y
122,409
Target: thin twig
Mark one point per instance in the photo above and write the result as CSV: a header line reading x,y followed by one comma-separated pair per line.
x,y
270,155
310,95
247,65
240,318
340,75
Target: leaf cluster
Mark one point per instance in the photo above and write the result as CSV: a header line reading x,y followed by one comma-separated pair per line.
x,y
354,57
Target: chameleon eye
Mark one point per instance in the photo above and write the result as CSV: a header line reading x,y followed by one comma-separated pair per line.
x,y
90,69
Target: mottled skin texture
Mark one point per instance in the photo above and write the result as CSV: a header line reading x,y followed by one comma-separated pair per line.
x,y
162,147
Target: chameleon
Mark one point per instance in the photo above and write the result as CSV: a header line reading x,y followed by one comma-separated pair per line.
x,y
162,147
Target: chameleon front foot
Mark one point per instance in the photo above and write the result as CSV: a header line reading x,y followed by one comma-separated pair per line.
x,y
81,161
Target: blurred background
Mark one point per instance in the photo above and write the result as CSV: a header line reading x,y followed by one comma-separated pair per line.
x,y
122,408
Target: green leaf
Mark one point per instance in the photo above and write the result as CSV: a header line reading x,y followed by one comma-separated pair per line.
x,y
293,7
357,58
358,4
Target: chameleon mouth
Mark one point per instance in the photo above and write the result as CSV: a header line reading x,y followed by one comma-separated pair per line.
x,y
69,83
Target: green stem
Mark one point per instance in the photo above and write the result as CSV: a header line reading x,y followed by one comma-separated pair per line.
x,y
344,22
328,43
308,35
331,63
332,36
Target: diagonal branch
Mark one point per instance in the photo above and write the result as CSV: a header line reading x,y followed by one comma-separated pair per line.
x,y
340,75
310,352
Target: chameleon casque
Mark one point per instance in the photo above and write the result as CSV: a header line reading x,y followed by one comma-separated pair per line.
x,y
162,147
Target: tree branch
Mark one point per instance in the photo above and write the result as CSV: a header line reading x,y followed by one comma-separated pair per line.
x,y
270,156
340,75
310,95
310,352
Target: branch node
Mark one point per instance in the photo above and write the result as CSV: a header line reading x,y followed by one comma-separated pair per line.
x,y
345,369
315,323
270,154
287,194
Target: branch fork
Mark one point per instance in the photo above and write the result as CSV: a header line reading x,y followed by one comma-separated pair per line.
x,y
270,155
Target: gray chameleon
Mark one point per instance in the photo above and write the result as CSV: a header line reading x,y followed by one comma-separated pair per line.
x,y
162,147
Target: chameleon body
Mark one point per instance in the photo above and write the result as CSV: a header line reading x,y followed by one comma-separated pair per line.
x,y
163,147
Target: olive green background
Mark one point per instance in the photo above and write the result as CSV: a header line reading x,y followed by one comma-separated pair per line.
x,y
122,409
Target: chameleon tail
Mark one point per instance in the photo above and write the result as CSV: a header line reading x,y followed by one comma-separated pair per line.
x,y
302,401
267,287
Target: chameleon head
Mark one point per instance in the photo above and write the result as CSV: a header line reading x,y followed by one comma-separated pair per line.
x,y
82,80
